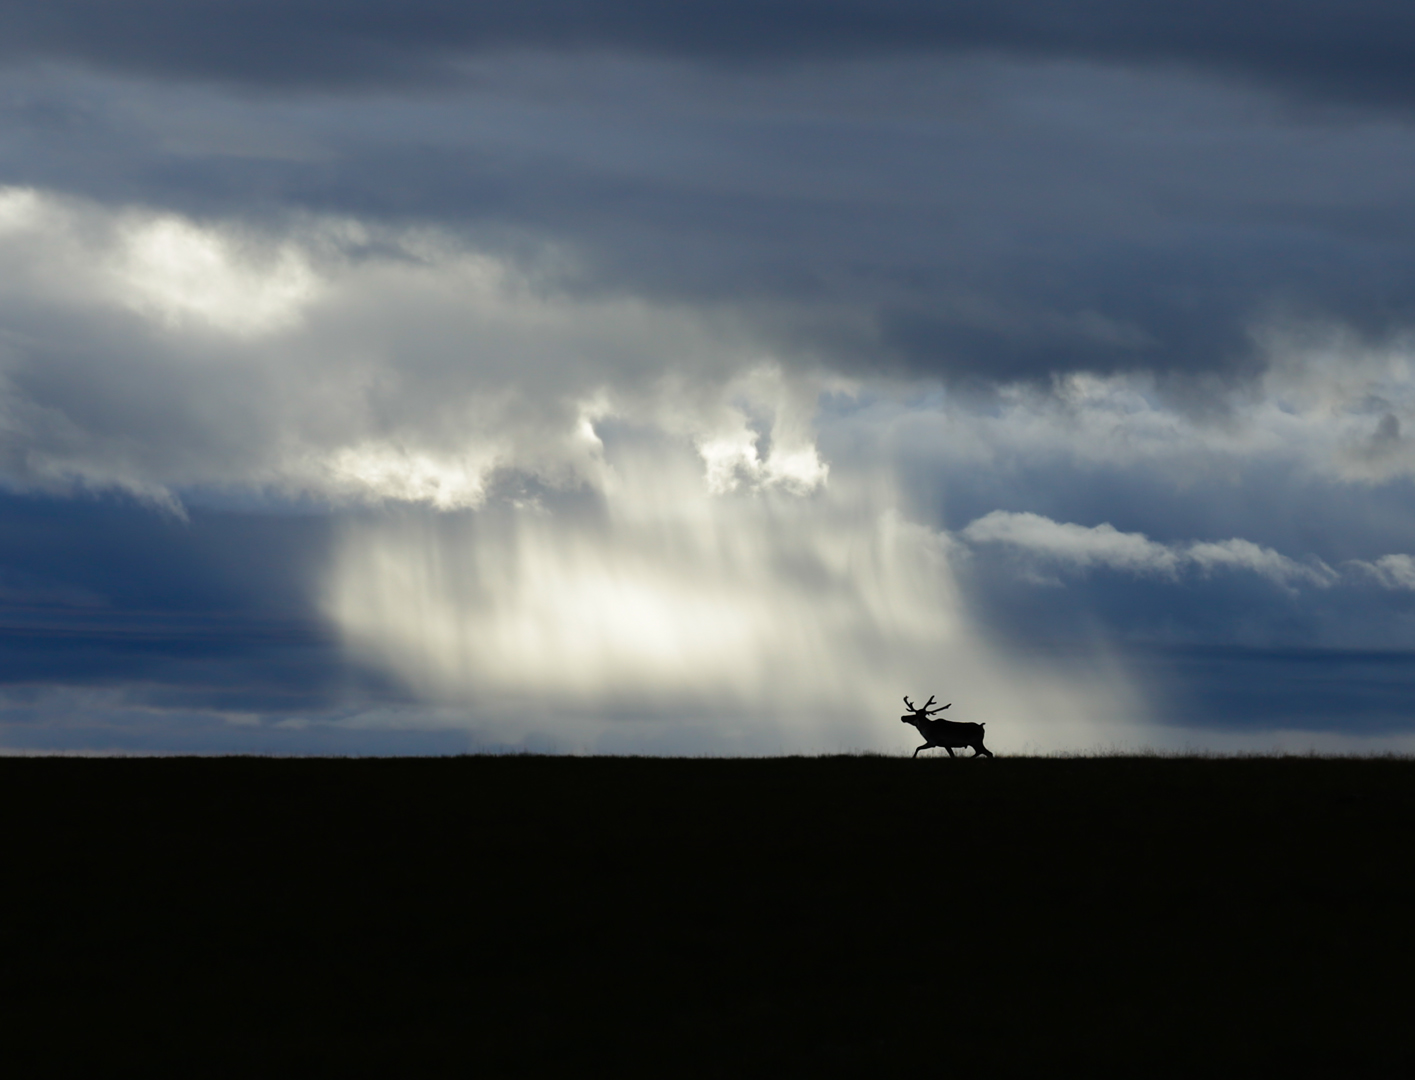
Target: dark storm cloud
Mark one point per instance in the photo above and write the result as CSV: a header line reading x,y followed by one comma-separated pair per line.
x,y
212,613
1249,690
1357,50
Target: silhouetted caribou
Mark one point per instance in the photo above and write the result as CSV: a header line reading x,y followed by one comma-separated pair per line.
x,y
944,733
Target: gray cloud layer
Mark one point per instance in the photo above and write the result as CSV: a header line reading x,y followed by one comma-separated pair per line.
x,y
974,221
1357,50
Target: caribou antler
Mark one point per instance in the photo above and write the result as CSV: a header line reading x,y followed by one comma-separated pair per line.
x,y
925,711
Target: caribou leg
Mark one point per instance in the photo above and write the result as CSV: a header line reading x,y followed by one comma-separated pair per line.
x,y
924,747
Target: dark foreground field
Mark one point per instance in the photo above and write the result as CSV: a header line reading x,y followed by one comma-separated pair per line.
x,y
496,914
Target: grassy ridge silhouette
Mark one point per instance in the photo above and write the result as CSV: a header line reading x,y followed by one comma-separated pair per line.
x,y
503,913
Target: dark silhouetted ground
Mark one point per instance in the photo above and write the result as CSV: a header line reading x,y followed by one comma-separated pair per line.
x,y
1155,914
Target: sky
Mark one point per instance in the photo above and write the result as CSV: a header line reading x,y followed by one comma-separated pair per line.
x,y
692,378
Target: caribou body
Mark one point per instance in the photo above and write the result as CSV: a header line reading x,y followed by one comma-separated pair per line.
x,y
944,733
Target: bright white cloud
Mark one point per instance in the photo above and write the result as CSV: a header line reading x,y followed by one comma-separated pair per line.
x,y
731,447
1080,547
1238,554
163,267
156,353
1391,571
1077,545
1329,408
175,271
